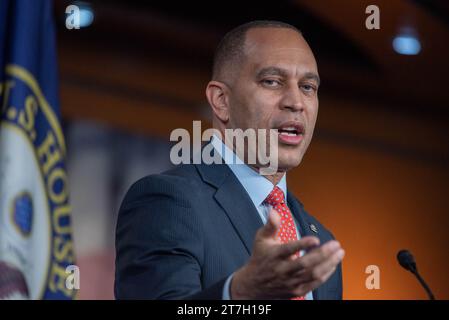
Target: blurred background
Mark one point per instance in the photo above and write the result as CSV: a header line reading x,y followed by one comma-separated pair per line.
x,y
376,173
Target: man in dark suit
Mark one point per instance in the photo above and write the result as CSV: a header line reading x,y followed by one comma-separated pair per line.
x,y
224,231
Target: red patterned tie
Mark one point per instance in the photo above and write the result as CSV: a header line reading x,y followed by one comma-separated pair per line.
x,y
287,230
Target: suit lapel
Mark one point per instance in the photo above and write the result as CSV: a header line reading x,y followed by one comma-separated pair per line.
x,y
305,230
298,213
234,200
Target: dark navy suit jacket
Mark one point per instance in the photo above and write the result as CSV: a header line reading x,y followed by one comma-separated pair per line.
x,y
180,234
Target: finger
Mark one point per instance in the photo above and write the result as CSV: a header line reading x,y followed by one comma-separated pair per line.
x,y
288,249
270,229
321,271
304,287
329,273
314,257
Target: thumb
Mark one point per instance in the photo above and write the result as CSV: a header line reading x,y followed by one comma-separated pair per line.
x,y
269,230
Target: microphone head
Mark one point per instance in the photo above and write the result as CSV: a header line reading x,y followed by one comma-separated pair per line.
x,y
406,260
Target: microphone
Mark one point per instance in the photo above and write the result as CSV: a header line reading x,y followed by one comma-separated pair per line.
x,y
407,261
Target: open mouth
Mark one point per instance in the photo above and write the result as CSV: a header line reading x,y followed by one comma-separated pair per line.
x,y
291,133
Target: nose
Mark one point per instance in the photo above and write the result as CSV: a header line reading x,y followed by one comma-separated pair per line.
x,y
293,100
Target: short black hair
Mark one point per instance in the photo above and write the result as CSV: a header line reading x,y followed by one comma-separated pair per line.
x,y
230,50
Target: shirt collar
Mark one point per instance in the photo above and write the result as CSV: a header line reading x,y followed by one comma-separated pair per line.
x,y
257,186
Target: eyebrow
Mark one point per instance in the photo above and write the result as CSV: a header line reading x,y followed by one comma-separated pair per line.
x,y
276,71
272,71
312,76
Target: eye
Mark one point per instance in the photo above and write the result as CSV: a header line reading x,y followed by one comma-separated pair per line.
x,y
271,83
308,88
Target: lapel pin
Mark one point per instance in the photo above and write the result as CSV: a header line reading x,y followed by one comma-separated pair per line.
x,y
313,228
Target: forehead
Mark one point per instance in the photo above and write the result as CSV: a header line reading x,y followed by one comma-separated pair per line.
x,y
278,47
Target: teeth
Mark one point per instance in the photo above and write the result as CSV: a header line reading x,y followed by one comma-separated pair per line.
x,y
289,128
289,134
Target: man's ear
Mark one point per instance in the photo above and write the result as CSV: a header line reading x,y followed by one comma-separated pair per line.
x,y
217,95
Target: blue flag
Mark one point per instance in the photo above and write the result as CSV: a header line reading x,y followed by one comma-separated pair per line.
x,y
36,249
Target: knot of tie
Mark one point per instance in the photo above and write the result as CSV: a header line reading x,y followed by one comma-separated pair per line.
x,y
275,197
